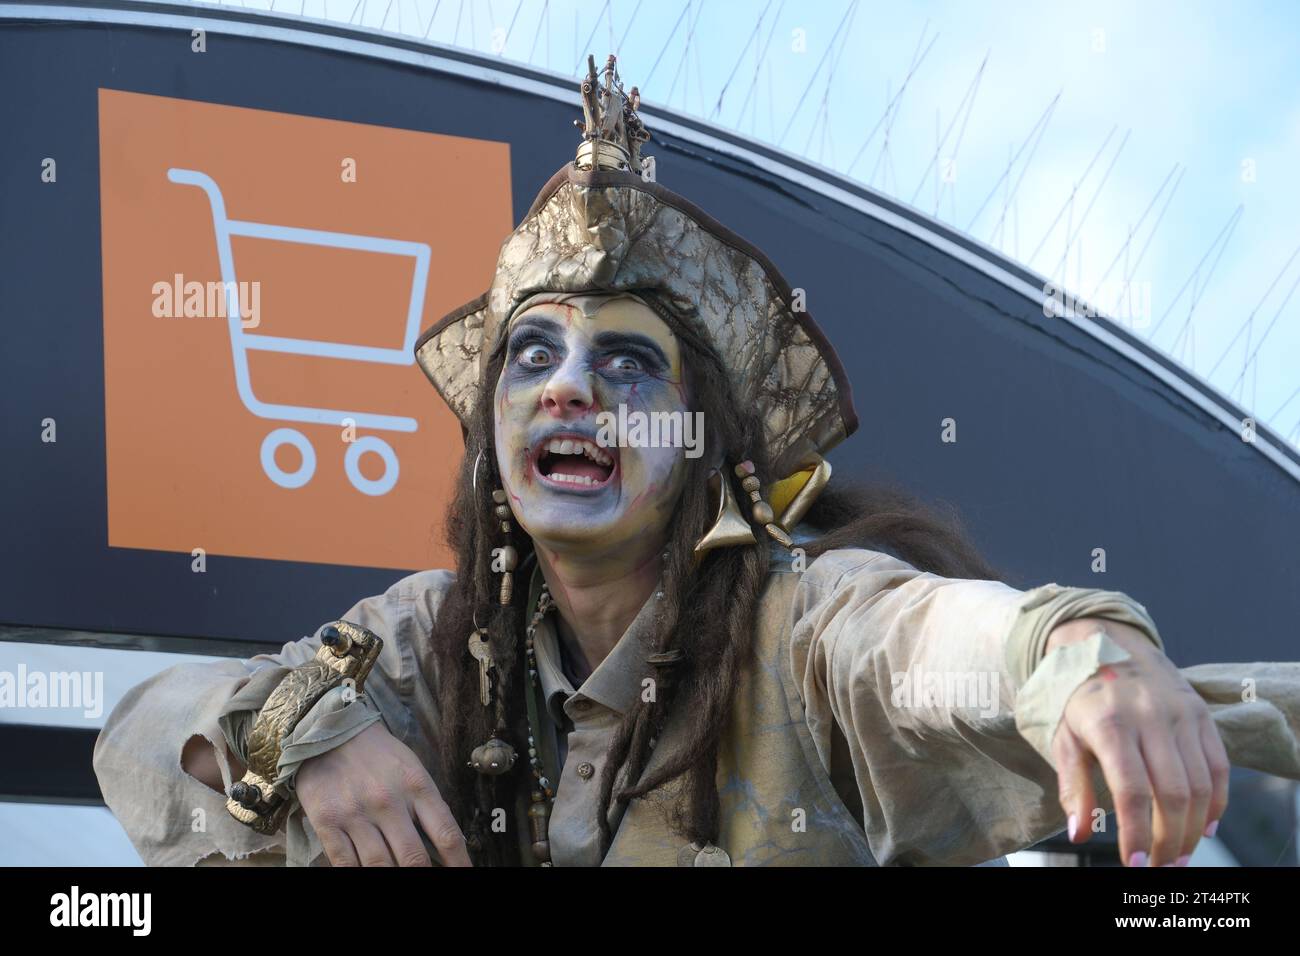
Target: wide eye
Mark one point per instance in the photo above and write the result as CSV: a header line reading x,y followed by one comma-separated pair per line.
x,y
626,363
536,356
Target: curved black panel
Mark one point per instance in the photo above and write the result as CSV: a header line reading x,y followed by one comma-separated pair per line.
x,y
1063,446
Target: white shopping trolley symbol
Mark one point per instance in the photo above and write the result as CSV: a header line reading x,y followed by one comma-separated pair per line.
x,y
241,342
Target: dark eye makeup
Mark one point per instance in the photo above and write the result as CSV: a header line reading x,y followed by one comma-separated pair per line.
x,y
530,342
646,362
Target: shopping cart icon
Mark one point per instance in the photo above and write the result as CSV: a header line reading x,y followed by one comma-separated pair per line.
x,y
241,342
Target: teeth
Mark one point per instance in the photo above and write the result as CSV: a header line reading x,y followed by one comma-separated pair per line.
x,y
570,446
571,479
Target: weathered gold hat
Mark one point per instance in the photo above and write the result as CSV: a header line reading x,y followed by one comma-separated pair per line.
x,y
601,224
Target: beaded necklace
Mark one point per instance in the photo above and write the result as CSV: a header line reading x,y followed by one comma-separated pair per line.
x,y
543,761
541,758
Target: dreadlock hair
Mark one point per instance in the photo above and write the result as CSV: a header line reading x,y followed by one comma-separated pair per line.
x,y
704,624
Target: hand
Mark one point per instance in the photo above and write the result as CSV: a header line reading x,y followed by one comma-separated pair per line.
x,y
365,799
1158,748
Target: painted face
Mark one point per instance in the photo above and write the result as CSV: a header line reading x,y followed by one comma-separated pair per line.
x,y
566,364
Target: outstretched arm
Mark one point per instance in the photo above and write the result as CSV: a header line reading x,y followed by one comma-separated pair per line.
x,y
960,699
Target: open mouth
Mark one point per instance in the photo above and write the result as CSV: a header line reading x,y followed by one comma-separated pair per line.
x,y
575,463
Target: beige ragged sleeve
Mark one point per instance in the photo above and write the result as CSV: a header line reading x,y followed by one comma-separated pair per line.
x,y
172,818
928,679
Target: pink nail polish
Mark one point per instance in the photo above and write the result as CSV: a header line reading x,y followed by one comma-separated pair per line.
x,y
1138,859
1073,827
1183,860
1212,828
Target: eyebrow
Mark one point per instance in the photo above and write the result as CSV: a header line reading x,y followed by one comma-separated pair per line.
x,y
613,340
512,334
540,323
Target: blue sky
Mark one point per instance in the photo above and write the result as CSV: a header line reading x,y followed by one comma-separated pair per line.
x,y
1203,95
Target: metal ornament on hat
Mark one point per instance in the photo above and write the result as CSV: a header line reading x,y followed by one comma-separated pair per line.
x,y
612,133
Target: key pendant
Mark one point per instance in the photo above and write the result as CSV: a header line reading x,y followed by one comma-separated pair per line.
x,y
480,651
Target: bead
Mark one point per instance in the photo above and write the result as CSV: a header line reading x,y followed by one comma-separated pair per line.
x,y
542,794
499,496
750,484
763,513
505,527
509,558
492,758
502,511
744,468
778,533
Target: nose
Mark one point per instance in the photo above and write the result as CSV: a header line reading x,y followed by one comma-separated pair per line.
x,y
568,394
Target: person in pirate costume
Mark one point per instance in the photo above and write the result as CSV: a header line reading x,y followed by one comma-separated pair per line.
x,y
652,653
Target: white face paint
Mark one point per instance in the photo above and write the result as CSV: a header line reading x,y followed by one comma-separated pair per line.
x,y
566,362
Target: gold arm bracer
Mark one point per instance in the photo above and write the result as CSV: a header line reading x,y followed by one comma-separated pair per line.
x,y
347,652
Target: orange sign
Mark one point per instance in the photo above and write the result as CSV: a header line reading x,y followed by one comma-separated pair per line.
x,y
265,277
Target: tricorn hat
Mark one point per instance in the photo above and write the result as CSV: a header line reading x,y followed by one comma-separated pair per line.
x,y
601,224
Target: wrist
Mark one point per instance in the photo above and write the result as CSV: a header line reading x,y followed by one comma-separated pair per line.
x,y
1132,639
262,798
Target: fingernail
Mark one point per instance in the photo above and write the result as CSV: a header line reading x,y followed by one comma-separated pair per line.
x,y
1073,826
1138,859
1212,828
1183,860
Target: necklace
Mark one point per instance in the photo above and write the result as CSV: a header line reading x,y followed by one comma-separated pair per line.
x,y
541,760
544,762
